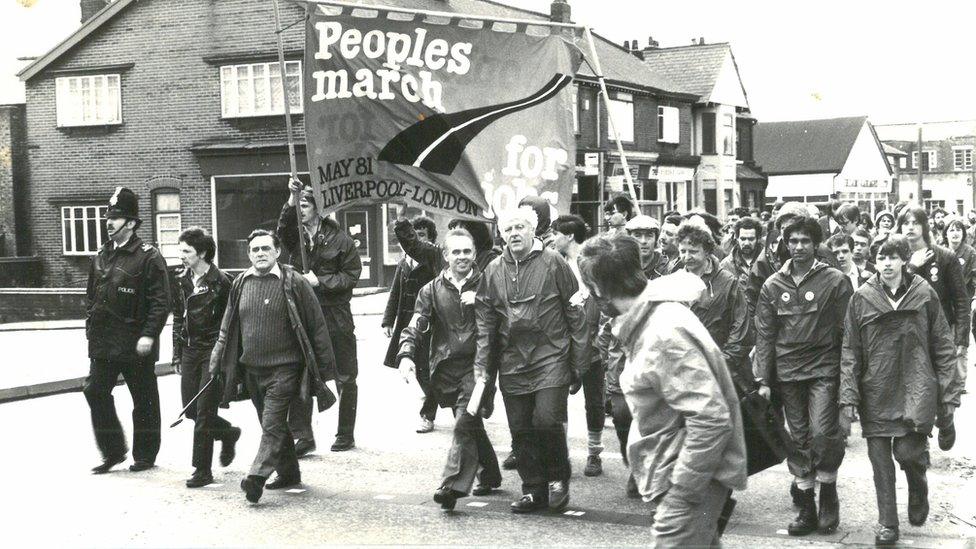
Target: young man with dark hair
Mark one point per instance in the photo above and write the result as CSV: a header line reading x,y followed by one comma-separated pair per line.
x,y
333,271
690,452
128,302
669,231
747,238
201,298
274,338
721,309
861,252
620,204
841,245
645,229
532,330
409,277
570,232
940,268
445,313
799,329
898,372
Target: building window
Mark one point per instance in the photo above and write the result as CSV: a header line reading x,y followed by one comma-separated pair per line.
x,y
83,229
962,158
168,221
575,100
902,162
933,204
623,119
728,135
667,124
255,89
92,100
961,207
929,162
708,133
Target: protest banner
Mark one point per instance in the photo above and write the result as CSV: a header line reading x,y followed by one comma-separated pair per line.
x,y
457,117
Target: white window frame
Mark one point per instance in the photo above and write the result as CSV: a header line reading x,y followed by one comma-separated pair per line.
x,y
75,108
933,159
235,75
68,216
728,137
967,163
667,122
576,122
622,110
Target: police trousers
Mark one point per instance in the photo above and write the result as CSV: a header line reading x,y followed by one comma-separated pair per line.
x,y
140,378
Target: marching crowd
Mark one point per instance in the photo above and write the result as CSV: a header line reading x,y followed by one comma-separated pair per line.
x,y
717,349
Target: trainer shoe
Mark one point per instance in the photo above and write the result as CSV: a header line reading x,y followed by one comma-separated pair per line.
x,y
594,466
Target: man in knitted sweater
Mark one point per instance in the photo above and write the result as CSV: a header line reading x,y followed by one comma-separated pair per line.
x,y
275,337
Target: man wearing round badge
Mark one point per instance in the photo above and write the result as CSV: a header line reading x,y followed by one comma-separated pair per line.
x,y
799,330
940,268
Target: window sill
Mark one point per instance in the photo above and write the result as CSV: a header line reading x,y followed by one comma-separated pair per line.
x,y
253,116
79,254
84,126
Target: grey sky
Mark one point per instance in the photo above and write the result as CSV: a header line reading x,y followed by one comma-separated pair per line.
x,y
797,60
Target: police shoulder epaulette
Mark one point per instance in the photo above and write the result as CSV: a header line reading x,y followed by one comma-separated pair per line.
x,y
146,247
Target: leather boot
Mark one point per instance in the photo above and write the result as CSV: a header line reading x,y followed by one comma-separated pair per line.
x,y
795,496
806,521
829,516
918,496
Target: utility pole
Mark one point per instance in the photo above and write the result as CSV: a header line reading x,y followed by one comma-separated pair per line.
x,y
918,166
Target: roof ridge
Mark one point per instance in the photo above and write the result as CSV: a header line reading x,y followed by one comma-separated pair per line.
x,y
687,46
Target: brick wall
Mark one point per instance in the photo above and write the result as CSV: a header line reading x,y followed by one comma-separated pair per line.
x,y
23,305
170,101
12,166
645,123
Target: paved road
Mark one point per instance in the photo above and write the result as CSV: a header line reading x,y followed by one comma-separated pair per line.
x,y
380,493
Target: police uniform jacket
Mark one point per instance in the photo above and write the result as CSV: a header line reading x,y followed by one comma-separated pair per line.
x,y
128,298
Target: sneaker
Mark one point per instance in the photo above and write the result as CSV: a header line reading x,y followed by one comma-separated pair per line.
x,y
594,466
528,503
425,425
558,494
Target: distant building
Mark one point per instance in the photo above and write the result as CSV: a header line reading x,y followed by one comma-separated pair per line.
x,y
816,160
947,162
722,128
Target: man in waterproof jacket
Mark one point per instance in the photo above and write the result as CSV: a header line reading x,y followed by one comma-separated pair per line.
x,y
430,254
529,326
128,302
747,243
445,311
721,307
799,329
687,452
776,252
274,340
898,372
333,270
409,278
201,298
645,229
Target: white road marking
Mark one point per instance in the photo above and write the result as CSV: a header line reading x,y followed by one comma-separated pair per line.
x,y
384,497
295,490
478,504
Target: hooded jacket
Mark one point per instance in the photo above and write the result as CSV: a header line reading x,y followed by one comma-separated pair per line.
x,y
687,428
333,257
800,327
722,310
898,364
943,273
305,319
528,320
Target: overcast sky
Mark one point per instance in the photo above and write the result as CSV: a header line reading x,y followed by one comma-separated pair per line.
x,y
893,60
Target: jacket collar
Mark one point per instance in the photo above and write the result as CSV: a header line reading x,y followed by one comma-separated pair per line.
x,y
132,245
681,287
474,277
537,248
210,276
817,266
275,271
878,295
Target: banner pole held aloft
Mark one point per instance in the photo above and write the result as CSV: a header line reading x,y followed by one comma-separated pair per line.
x,y
613,128
290,135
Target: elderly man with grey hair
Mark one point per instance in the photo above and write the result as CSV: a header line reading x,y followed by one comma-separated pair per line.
x,y
532,332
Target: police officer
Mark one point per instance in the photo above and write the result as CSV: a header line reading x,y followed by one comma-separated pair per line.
x,y
128,302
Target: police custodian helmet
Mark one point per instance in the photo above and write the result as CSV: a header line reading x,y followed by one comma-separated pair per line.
x,y
123,204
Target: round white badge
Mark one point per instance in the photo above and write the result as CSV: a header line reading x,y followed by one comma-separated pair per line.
x,y
935,278
809,296
934,271
785,297
962,261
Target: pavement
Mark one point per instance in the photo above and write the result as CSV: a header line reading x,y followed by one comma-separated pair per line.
x,y
380,493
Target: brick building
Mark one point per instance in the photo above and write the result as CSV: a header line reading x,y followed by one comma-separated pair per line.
x,y
182,101
13,177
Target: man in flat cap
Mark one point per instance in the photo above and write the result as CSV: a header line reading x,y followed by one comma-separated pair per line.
x,y
128,302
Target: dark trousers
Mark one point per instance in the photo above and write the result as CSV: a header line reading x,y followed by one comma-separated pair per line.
x,y
812,415
912,454
470,450
621,422
343,337
536,421
272,391
428,408
140,378
594,396
208,426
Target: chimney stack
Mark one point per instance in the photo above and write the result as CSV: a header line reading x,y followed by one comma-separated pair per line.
x,y
90,7
652,45
701,41
560,12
